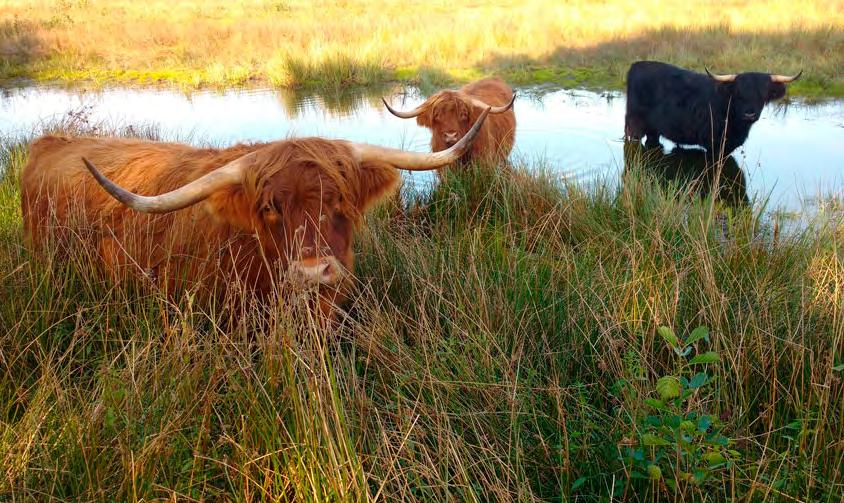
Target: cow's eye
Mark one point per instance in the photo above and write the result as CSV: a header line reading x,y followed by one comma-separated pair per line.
x,y
339,219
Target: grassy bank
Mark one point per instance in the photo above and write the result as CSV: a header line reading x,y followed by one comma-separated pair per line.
x,y
503,344
357,42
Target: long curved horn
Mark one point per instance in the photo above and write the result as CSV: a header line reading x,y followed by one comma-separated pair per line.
x,y
192,193
492,109
418,161
404,115
721,78
785,79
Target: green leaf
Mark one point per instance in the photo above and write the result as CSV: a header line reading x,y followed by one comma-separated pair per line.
x,y
687,425
668,387
656,404
704,423
697,334
698,380
794,425
714,458
654,472
839,367
577,483
708,357
653,440
669,336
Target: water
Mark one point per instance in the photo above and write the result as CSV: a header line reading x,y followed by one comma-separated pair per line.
x,y
795,153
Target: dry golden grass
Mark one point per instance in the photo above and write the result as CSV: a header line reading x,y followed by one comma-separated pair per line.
x,y
361,42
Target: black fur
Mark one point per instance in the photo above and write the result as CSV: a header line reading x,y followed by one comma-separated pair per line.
x,y
692,108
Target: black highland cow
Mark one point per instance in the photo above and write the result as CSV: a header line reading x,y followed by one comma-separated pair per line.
x,y
689,108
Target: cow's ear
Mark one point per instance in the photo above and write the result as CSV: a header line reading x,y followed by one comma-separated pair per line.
x,y
776,90
377,181
425,119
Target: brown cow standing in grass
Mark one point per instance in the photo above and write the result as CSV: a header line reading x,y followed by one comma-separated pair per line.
x,y
232,216
449,114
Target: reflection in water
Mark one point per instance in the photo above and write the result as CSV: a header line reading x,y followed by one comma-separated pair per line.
x,y
336,102
689,167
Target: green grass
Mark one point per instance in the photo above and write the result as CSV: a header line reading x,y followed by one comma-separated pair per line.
x,y
501,345
326,44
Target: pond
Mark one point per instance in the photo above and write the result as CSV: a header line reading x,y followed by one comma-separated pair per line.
x,y
794,156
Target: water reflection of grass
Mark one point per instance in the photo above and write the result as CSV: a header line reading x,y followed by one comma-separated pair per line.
x,y
502,345
303,43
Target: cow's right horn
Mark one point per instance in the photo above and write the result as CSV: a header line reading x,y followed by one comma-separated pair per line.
x,y
721,78
184,196
404,115
495,110
785,79
418,161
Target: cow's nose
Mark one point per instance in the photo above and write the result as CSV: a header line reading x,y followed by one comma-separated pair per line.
x,y
317,271
751,116
450,137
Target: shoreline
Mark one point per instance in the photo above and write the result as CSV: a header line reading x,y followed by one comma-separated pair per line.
x,y
548,78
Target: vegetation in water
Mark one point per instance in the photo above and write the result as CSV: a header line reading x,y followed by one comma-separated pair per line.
x,y
326,44
512,337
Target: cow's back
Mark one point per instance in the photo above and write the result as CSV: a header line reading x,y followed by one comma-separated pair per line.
x,y
55,182
62,203
670,101
492,91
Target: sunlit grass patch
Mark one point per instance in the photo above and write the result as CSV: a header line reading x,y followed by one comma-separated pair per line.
x,y
565,44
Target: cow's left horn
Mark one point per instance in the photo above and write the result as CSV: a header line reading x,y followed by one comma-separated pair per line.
x,y
785,79
418,161
404,115
721,78
184,196
492,109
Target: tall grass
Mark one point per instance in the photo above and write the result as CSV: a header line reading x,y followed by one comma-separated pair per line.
x,y
358,42
502,344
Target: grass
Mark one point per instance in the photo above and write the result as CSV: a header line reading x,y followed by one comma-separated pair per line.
x,y
503,344
294,43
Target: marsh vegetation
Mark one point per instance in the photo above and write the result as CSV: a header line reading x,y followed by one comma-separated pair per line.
x,y
508,339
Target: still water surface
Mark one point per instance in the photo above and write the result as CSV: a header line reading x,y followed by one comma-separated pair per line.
x,y
794,154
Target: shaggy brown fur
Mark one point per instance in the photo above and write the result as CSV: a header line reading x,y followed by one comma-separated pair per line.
x,y
453,112
302,199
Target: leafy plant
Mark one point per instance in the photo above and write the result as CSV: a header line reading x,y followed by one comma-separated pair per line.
x,y
681,444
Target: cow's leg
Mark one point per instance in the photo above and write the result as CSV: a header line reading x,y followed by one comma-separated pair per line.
x,y
652,140
634,127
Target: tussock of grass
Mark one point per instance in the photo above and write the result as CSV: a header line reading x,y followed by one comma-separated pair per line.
x,y
322,43
500,346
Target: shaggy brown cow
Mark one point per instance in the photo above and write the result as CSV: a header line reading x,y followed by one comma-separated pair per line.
x,y
247,211
449,114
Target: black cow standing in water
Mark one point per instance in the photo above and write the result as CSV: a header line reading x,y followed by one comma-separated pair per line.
x,y
712,111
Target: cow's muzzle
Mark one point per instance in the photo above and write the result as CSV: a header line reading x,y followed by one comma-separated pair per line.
x,y
450,138
322,271
751,116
